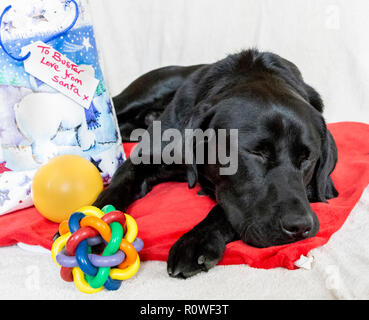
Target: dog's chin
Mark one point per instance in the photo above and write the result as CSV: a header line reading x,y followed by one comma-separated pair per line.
x,y
257,243
258,240
255,239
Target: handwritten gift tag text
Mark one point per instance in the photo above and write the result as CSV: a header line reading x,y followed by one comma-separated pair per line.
x,y
56,70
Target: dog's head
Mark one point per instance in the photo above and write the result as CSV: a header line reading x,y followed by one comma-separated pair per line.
x,y
285,155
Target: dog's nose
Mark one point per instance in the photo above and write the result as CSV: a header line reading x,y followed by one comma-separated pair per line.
x,y
297,226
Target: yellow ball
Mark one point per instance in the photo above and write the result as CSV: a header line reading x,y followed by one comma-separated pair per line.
x,y
65,184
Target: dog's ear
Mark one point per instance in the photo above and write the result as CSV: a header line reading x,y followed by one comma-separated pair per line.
x,y
192,175
314,98
321,187
200,121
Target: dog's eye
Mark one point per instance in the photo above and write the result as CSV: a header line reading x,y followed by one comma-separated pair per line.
x,y
304,162
302,157
258,154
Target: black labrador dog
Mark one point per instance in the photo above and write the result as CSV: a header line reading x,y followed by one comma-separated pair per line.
x,y
285,152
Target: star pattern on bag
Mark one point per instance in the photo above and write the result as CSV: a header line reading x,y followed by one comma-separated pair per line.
x,y
96,163
120,159
3,167
4,196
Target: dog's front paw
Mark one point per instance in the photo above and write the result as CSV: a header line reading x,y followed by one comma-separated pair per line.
x,y
195,252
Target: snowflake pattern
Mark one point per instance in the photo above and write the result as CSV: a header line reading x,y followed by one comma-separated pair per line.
x,y
38,14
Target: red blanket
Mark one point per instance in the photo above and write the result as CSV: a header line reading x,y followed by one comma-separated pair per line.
x,y
171,209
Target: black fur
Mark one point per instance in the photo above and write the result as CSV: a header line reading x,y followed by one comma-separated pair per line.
x,y
286,153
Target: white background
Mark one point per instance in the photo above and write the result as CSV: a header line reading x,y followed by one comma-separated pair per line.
x,y
327,39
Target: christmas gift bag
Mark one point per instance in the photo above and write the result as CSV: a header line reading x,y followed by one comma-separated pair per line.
x,y
55,105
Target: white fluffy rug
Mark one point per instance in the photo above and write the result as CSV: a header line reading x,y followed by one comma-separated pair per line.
x,y
339,270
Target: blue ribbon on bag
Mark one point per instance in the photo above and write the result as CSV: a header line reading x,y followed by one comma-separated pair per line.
x,y
55,36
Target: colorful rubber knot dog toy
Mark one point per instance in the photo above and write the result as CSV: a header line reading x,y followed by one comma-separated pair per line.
x,y
88,232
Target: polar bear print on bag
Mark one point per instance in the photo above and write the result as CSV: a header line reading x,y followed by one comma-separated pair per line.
x,y
42,117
